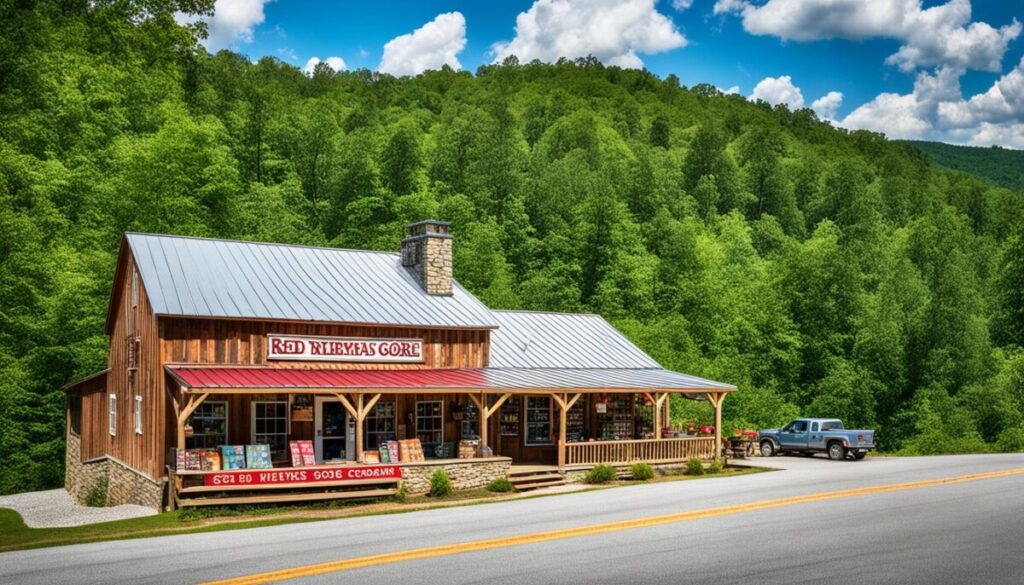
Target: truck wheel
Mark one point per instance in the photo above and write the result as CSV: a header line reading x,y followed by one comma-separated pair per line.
x,y
861,455
767,449
836,451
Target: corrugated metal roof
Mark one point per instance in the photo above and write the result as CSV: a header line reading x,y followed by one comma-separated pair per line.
x,y
213,378
197,277
561,340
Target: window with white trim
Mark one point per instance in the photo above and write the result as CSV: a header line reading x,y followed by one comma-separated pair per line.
x,y
270,427
538,420
112,419
138,414
209,422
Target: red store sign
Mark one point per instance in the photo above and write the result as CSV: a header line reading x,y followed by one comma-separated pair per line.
x,y
300,475
344,349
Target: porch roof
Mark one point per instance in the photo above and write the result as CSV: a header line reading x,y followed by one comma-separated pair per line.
x,y
218,378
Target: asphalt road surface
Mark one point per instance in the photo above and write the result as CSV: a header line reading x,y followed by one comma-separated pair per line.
x,y
968,531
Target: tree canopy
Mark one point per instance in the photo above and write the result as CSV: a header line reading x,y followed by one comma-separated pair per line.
x,y
821,271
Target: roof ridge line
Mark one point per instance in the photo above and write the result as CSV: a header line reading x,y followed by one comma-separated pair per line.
x,y
260,243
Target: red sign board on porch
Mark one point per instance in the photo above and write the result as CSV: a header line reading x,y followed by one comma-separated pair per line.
x,y
303,475
343,349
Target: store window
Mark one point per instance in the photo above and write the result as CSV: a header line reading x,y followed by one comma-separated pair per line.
x,y
510,418
75,413
470,422
430,424
112,416
379,425
209,424
538,420
270,427
138,414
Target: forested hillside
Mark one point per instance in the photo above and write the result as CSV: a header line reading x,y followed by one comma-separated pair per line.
x,y
822,272
1000,166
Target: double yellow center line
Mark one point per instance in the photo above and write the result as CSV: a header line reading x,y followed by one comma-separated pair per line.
x,y
592,529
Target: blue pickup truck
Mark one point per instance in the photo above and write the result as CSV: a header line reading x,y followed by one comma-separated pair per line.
x,y
808,436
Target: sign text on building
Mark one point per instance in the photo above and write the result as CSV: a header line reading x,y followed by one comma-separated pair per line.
x,y
344,349
353,473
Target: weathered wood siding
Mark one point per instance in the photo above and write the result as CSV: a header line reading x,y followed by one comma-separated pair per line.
x,y
146,451
224,341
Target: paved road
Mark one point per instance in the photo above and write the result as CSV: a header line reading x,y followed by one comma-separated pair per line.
x,y
961,533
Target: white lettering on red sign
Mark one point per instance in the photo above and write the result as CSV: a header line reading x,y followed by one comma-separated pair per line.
x,y
344,349
312,475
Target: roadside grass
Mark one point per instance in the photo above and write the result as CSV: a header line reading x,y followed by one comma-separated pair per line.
x,y
15,535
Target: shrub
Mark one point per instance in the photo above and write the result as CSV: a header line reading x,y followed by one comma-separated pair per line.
x,y
501,485
600,474
694,467
716,466
440,485
97,496
641,471
401,493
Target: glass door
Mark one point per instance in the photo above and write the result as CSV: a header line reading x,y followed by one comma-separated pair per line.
x,y
332,431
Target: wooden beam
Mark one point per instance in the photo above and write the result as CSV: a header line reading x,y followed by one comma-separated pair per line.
x,y
348,405
497,404
360,416
573,400
194,400
562,422
369,405
477,400
719,398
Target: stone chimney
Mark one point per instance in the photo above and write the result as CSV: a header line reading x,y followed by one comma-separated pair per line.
x,y
427,253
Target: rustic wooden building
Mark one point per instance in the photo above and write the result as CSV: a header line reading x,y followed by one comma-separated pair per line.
x,y
216,342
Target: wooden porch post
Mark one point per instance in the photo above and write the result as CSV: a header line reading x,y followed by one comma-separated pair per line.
x,y
717,402
359,411
485,413
194,400
659,401
564,404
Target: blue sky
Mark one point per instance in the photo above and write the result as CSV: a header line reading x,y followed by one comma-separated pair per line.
x,y
909,68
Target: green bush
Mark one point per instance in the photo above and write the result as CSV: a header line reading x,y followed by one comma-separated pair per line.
x,y
641,471
1011,440
97,496
501,485
401,493
694,467
440,485
716,466
600,474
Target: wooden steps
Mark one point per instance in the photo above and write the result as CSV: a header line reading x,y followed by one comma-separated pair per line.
x,y
284,498
529,477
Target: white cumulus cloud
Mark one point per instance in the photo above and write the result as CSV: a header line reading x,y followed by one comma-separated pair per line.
x,y
936,109
779,90
931,37
730,90
681,5
431,46
335,63
616,32
828,105
232,22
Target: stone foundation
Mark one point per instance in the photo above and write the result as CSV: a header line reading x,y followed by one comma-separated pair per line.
x,y
464,473
118,483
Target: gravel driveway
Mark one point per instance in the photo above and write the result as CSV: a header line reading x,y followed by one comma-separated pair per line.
x,y
55,508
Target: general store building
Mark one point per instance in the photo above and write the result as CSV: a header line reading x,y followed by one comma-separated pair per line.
x,y
216,342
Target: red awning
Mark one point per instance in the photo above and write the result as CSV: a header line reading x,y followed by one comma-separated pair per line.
x,y
213,378
220,377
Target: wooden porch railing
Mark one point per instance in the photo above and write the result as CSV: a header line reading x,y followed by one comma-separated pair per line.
x,y
640,450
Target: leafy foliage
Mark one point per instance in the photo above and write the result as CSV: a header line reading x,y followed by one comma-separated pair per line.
x,y
501,485
600,474
821,271
440,485
641,471
1001,166
694,467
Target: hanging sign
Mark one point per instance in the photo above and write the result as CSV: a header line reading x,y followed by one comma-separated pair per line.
x,y
343,349
339,473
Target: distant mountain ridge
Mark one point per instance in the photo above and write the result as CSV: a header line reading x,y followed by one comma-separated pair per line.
x,y
1001,166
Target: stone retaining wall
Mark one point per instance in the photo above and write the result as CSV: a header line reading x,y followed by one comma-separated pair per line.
x,y
120,484
464,473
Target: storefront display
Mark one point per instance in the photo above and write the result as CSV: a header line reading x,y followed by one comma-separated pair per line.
x,y
302,453
233,456
258,457
510,418
617,423
575,423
